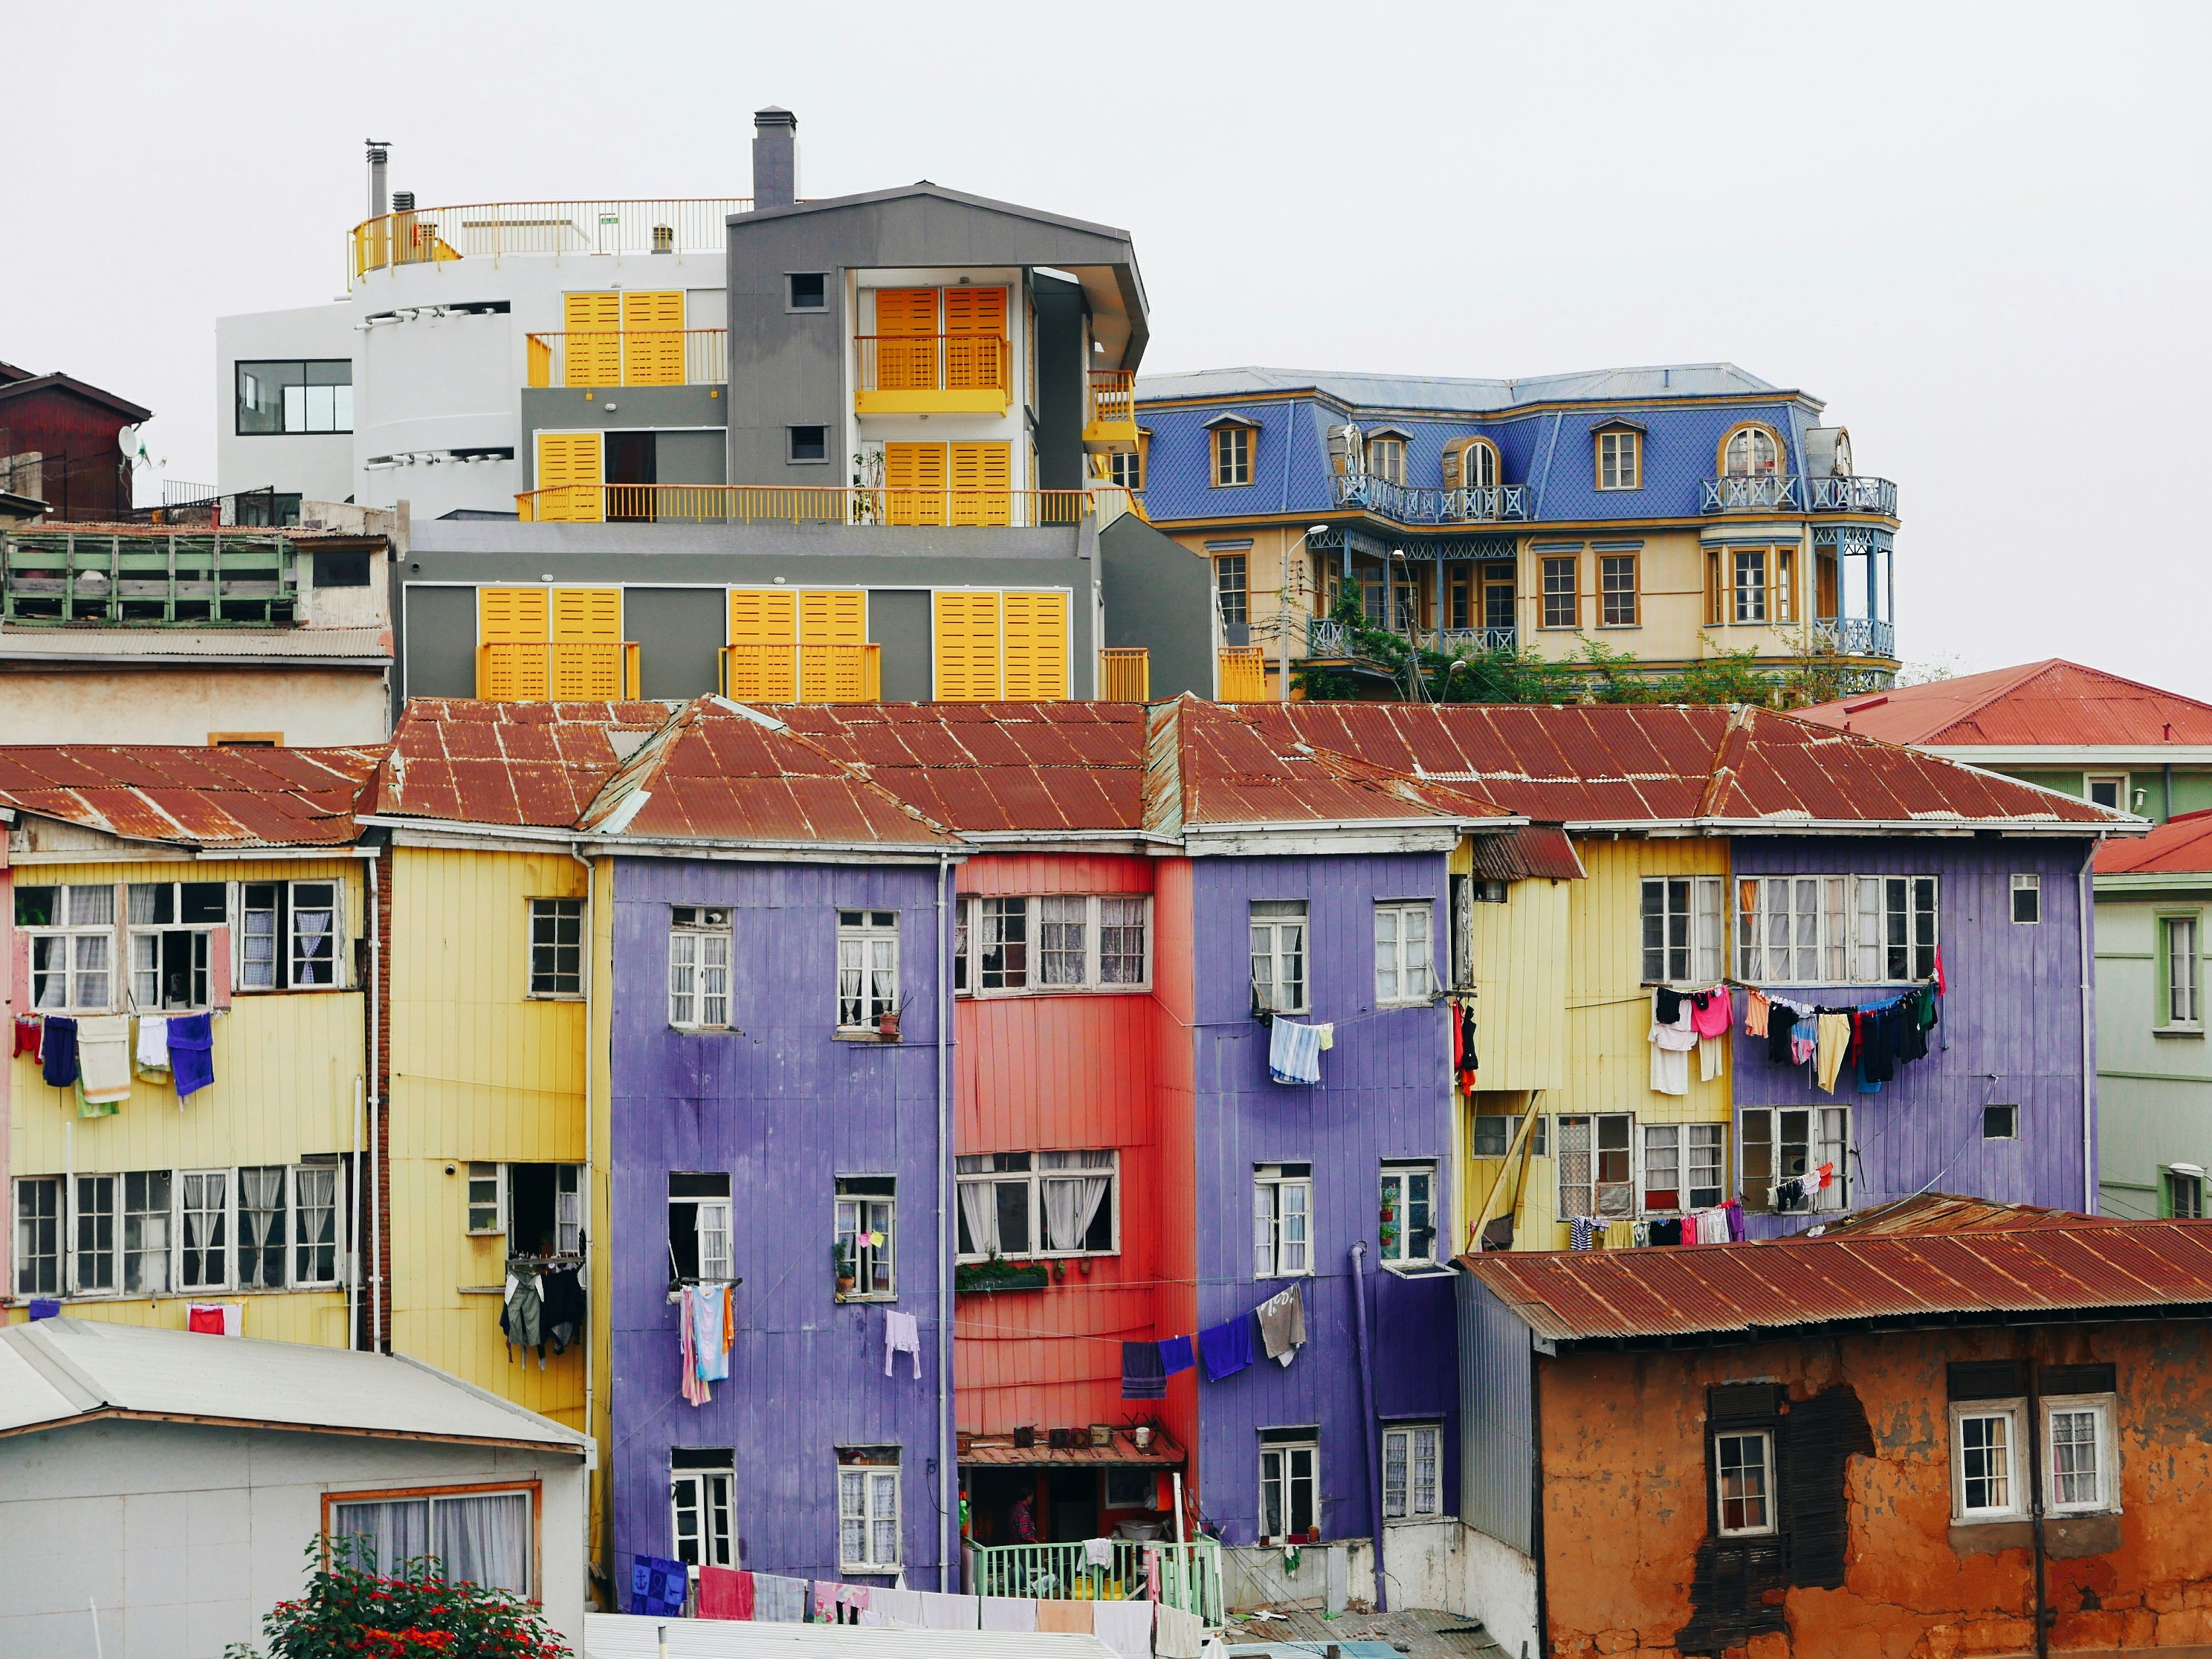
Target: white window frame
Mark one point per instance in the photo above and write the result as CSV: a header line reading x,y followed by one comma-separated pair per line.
x,y
201,933
697,936
2032,884
1280,934
1765,1526
1282,1208
281,970
983,922
709,1495
533,1541
869,1214
980,1170
2195,1209
296,1244
1581,1192
78,939
1405,952
1282,1455
475,1175
879,1491
2013,1414
1827,1138
1793,930
283,1214
1001,925
1754,464
1748,606
1233,447
1620,460
1398,1179
1682,1144
2121,794
1511,1122
549,914
1386,459
2180,967
863,938
22,1224
1694,906
1873,908
1404,1448
79,1217
226,1222
2102,1408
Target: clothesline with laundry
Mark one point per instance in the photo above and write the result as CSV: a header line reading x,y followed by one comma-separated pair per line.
x,y
96,1057
1226,1348
1874,1038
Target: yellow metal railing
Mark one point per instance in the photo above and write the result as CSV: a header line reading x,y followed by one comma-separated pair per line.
x,y
630,356
561,671
815,504
1244,674
930,373
1113,398
781,673
699,225
1124,674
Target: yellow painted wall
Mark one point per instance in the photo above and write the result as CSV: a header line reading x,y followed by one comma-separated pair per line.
x,y
1606,1022
480,1072
599,1293
286,1066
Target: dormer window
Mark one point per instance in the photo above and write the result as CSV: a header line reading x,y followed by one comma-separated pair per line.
x,y
1750,452
1386,459
1472,464
1235,442
1619,456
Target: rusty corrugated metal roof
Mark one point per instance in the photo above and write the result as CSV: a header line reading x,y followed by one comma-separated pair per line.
x,y
2053,702
1536,851
2048,1263
2180,846
193,797
528,764
999,1451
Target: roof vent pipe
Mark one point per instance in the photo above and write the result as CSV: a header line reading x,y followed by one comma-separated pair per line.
x,y
403,201
775,158
379,155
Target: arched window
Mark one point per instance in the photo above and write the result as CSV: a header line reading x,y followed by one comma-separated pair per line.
x,y
1751,451
1477,465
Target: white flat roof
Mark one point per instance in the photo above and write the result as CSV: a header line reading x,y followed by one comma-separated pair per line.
x,y
621,1635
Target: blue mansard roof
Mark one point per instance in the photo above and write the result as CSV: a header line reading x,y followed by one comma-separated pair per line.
x,y
1543,427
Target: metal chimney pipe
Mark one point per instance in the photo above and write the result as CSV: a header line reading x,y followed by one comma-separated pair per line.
x,y
404,202
775,158
379,155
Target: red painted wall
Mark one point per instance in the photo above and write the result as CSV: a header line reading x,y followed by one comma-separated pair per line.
x,y
64,427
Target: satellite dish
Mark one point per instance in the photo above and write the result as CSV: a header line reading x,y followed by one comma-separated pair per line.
x,y
127,440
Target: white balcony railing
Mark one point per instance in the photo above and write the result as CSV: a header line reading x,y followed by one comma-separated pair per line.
x,y
1787,492
1411,504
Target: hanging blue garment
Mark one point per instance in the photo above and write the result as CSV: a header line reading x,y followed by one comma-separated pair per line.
x,y
192,1053
58,1058
1294,1052
658,1587
1227,1349
702,1306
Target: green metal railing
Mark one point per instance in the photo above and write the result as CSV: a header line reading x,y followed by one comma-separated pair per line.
x,y
202,578
1189,1574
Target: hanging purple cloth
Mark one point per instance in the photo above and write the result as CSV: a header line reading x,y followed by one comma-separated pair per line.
x,y
1143,1376
1227,1349
58,1058
1175,1354
192,1053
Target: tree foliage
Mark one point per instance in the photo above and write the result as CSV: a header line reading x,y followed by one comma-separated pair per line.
x,y
350,1611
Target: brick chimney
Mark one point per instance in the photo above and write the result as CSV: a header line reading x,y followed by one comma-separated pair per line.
x,y
775,158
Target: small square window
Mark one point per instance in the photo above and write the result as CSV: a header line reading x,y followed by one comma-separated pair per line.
x,y
809,291
1493,1135
2001,1123
809,444
2027,898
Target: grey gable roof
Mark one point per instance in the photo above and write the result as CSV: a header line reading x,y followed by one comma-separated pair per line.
x,y
1460,395
943,192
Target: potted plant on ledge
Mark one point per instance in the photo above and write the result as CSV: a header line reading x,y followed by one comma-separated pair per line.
x,y
844,1268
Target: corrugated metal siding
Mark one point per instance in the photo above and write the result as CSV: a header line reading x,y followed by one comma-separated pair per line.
x,y
1175,992
1010,873
1520,959
1497,1409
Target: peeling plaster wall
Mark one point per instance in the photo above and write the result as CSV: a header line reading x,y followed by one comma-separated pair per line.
x,y
1625,1508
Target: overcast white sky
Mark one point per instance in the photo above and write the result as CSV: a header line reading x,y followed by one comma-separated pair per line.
x,y
1981,233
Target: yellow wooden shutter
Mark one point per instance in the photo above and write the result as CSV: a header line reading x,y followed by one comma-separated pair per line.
x,y
511,624
910,364
1036,647
763,638
914,478
975,338
585,628
652,337
594,322
833,636
568,474
982,475
967,660
586,613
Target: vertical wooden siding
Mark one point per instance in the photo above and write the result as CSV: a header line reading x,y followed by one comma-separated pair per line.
x,y
1175,1052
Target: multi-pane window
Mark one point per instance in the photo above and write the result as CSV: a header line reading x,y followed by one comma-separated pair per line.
x,y
2181,967
1063,940
479,1537
1018,1204
867,967
1232,456
1561,609
1386,459
72,933
1408,1220
1681,1167
1793,930
1057,942
288,935
557,947
1617,594
1620,460
1002,942
1743,1479
204,1250
1985,1482
170,941
1781,1143
1751,453
1894,933
1782,589
1493,1135
1594,1165
315,1223
1230,580
1479,465
539,1206
698,1227
2027,898
1290,1488
1682,930
1121,956
311,396
698,968
1404,959
868,1510
1126,468
1282,1220
2185,1194
868,1235
1278,954
2079,1447
261,1228
1497,597
94,1230
487,1213
1748,585
1413,1464
39,1237
701,1513
146,1216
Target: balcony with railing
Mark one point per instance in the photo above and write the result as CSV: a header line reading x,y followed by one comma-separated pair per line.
x,y
490,229
1124,674
803,672
1787,492
629,356
1110,422
932,375
1190,1575
204,578
1856,637
1470,641
621,503
1244,674
1411,504
563,671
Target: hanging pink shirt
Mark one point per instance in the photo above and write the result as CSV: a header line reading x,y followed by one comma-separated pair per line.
x,y
1712,1011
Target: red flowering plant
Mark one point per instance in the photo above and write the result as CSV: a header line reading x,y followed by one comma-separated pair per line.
x,y
352,1611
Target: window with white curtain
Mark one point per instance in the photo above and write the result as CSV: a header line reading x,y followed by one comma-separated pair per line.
x,y
1278,954
146,1212
867,967
476,1536
261,1228
1282,1220
1404,969
698,968
868,1509
698,1226
1829,929
1289,1484
72,932
1052,942
868,1235
1683,941
203,1203
1036,1204
1413,1464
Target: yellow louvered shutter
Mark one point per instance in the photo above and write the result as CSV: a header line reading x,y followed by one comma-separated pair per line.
x,y
908,364
1036,647
833,636
585,628
586,613
763,638
594,322
914,478
975,338
652,337
568,477
511,624
982,475
967,664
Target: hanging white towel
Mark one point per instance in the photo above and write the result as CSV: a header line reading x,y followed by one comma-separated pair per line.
x,y
1177,1634
103,1057
1099,1553
1294,1052
900,1608
1124,1626
1008,1613
153,1042
902,1334
1708,1057
950,1612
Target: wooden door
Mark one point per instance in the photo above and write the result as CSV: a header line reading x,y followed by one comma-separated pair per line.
x,y
652,337
833,632
593,340
906,346
570,468
763,657
914,484
981,477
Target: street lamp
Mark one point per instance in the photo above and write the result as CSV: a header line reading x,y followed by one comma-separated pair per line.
x,y
1283,613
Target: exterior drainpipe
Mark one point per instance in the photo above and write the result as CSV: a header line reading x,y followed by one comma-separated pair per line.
x,y
1371,1430
375,1108
585,1220
948,1473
